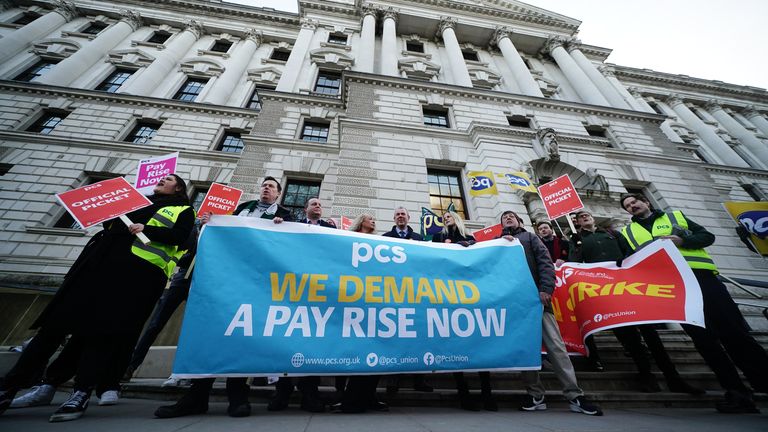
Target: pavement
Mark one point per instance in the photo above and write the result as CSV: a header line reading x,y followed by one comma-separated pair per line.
x,y
135,415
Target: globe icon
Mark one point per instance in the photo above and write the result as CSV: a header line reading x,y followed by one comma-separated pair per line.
x,y
297,360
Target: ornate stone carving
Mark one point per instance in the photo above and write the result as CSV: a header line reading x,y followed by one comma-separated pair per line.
x,y
483,77
552,43
573,44
369,9
132,17
713,105
528,170
418,68
308,24
547,138
201,67
254,35
673,100
596,183
607,71
391,12
500,33
445,23
750,111
195,27
67,9
328,58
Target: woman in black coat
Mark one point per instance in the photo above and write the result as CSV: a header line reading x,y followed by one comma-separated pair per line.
x,y
107,296
455,232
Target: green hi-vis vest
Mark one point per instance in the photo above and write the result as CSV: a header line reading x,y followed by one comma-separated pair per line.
x,y
637,236
164,256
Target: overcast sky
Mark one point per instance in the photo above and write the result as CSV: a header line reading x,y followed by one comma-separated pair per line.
x,y
711,39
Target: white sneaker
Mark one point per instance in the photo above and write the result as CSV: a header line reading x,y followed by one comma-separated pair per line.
x,y
172,381
39,395
109,397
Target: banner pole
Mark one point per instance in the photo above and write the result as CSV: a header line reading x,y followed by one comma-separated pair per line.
x,y
144,239
562,233
570,223
191,266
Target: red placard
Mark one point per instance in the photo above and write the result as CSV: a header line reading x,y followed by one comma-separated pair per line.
x,y
346,222
560,197
105,200
487,233
220,200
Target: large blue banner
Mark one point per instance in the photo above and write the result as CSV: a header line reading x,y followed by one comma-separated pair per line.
x,y
295,299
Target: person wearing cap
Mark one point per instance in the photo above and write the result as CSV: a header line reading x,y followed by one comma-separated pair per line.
x,y
726,340
594,244
557,246
543,272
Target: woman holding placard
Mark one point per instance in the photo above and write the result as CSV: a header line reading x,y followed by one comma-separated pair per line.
x,y
107,296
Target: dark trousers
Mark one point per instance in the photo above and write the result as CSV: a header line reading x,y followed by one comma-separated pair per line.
x,y
360,392
726,340
237,390
174,296
307,386
631,338
92,358
463,388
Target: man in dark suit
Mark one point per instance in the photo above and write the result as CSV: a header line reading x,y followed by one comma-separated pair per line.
x,y
313,211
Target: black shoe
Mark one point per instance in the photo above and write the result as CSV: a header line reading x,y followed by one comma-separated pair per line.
x,y
648,383
341,407
466,403
737,403
239,409
312,404
677,385
580,404
6,397
187,405
489,404
597,366
73,408
277,404
378,406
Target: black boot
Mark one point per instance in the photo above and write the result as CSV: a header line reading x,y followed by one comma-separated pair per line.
x,y
676,384
466,402
189,404
737,402
648,383
6,397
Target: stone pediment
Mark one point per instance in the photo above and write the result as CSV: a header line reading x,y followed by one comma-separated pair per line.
x,y
55,48
266,77
131,58
331,59
483,77
510,9
418,68
201,67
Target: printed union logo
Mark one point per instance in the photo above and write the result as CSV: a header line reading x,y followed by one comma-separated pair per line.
x,y
297,360
480,183
372,359
429,359
597,318
517,180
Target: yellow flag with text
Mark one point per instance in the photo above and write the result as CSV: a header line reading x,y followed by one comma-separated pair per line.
x,y
519,180
482,183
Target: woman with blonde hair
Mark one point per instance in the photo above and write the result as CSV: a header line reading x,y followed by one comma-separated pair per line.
x,y
364,223
453,231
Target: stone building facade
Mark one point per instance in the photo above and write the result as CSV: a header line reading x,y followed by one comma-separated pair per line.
x,y
368,104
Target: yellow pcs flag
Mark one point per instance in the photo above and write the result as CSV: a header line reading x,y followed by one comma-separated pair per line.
x,y
520,180
753,216
482,183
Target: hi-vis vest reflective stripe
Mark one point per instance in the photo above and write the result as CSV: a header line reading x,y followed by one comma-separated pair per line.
x,y
164,256
637,236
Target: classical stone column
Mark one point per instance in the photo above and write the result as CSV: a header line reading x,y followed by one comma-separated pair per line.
x,y
713,141
19,39
165,61
516,64
367,50
389,43
643,105
458,67
225,84
756,118
578,79
756,146
298,54
75,65
630,100
597,78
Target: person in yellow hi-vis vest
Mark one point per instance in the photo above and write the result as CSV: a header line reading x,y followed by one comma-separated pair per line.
x,y
726,340
106,298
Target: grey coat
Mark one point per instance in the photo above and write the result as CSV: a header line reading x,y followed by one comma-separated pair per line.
x,y
539,261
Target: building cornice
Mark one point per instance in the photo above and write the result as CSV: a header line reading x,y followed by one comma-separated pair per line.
x,y
687,83
496,96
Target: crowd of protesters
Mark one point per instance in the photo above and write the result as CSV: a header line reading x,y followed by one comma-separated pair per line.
x,y
100,327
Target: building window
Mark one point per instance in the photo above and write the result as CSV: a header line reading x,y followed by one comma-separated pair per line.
x,y
221,46
191,89
297,192
436,117
444,189
519,121
159,37
143,132
254,102
94,28
27,18
315,132
337,39
280,54
231,142
596,131
470,55
414,46
36,70
198,195
753,191
328,83
114,80
47,122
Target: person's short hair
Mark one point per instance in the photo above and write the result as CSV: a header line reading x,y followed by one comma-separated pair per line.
x,y
267,178
637,196
581,212
401,207
519,219
540,223
306,203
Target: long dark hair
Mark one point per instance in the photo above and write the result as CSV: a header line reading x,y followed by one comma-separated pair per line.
x,y
177,195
